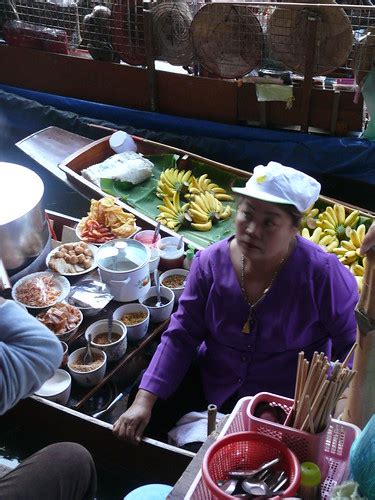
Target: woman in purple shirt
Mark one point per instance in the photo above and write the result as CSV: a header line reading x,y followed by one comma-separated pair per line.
x,y
251,304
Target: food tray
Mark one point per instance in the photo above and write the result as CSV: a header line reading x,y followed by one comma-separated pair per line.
x,y
340,437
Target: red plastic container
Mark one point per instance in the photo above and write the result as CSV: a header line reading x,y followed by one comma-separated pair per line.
x,y
247,450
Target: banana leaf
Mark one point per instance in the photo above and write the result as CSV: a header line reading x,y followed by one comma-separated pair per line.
x,y
143,196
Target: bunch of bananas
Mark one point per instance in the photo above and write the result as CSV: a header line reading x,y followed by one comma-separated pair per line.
x,y
335,222
328,241
172,213
204,185
206,209
173,181
349,253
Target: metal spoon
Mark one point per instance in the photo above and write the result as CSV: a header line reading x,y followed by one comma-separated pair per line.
x,y
261,488
110,323
117,398
157,285
228,486
87,357
247,474
156,232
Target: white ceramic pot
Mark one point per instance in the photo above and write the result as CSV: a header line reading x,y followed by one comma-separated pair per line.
x,y
138,330
124,267
161,313
115,350
57,388
177,291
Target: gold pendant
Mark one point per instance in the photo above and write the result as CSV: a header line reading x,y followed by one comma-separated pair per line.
x,y
246,327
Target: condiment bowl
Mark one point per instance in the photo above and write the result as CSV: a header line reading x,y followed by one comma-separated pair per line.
x,y
136,330
177,290
146,236
57,388
116,349
163,312
171,257
61,335
94,374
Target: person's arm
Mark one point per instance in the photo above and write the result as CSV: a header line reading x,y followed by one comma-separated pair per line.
x,y
369,240
172,358
29,354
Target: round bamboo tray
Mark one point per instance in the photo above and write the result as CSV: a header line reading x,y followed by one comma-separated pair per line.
x,y
287,37
171,32
128,31
227,39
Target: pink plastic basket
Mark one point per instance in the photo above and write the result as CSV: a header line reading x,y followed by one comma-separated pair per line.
x,y
308,447
339,439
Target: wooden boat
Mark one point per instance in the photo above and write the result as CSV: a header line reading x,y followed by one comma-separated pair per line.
x,y
75,424
67,161
152,461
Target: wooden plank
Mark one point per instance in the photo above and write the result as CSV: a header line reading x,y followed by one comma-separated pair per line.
x,y
75,77
197,97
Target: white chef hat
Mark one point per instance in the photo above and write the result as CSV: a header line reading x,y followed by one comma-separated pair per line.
x,y
279,184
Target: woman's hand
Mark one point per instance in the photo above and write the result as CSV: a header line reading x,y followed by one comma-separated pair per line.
x,y
131,424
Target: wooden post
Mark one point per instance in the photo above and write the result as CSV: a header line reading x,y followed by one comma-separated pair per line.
x,y
211,418
150,55
312,19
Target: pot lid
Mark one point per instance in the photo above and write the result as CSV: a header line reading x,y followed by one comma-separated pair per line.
x,y
21,190
122,255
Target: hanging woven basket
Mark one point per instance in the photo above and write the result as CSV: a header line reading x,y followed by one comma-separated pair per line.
x,y
287,37
227,39
171,32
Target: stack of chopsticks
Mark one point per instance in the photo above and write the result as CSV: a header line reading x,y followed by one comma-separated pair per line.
x,y
317,391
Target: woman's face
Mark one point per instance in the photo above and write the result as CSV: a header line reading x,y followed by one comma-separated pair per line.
x,y
263,230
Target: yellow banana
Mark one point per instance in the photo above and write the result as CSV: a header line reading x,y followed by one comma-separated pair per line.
x,y
202,227
326,240
223,197
306,233
349,257
330,248
315,237
361,231
352,218
348,245
340,213
355,238
357,269
331,215
198,216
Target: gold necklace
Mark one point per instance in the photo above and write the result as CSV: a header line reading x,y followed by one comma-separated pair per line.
x,y
248,323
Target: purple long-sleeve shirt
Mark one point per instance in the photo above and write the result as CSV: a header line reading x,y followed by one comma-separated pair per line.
x,y
309,307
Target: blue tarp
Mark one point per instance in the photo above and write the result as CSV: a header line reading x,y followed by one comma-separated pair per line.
x,y
239,146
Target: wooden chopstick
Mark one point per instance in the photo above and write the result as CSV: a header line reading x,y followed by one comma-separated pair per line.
x,y
317,390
